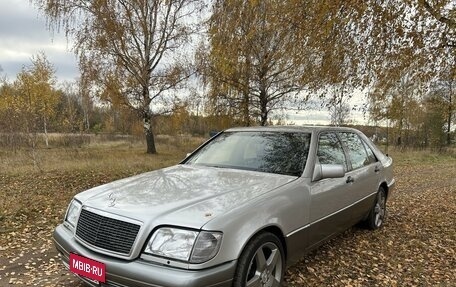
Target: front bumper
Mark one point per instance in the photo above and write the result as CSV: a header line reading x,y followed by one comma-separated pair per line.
x,y
140,273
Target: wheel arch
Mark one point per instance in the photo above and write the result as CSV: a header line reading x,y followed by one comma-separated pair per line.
x,y
252,246
274,229
384,185
278,232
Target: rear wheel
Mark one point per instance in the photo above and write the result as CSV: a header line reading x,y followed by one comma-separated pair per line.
x,y
262,263
377,214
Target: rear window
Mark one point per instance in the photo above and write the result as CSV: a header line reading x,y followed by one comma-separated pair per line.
x,y
356,150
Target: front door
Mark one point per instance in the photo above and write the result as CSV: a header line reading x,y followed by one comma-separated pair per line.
x,y
329,197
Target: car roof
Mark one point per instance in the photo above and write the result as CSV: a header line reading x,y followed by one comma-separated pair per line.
x,y
290,129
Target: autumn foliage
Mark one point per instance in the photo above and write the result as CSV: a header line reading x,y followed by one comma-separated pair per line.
x,y
191,66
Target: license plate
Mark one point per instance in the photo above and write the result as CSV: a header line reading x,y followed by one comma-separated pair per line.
x,y
86,267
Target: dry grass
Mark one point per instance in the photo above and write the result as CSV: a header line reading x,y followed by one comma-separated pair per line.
x,y
127,156
27,189
421,157
415,248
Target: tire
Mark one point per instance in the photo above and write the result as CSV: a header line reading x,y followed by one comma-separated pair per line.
x,y
262,263
377,214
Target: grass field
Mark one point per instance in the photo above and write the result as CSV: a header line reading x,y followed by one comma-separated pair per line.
x,y
416,247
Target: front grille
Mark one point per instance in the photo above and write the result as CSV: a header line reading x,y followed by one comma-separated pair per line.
x,y
105,232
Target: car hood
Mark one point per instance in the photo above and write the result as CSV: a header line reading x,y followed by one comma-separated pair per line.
x,y
184,195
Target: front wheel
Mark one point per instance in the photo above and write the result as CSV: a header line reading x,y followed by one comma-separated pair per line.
x,y
378,212
262,263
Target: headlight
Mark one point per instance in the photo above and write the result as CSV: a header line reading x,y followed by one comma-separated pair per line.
x,y
172,243
206,246
185,245
73,212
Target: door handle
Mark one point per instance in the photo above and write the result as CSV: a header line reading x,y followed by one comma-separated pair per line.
x,y
350,179
377,168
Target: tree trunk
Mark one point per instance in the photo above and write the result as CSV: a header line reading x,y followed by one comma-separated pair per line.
x,y
450,115
264,101
246,95
150,140
448,131
245,109
46,138
263,108
86,121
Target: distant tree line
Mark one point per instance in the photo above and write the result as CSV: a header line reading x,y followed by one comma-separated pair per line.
x,y
250,60
34,105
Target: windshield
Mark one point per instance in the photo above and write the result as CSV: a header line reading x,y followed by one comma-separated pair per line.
x,y
272,152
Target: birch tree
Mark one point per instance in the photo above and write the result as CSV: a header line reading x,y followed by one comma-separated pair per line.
x,y
253,62
383,47
129,49
36,97
28,105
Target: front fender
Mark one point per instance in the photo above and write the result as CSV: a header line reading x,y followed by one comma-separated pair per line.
x,y
286,208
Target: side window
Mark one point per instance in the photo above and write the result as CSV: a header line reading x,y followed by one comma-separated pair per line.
x,y
370,153
330,150
356,150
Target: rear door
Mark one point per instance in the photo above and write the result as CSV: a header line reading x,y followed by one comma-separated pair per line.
x,y
363,174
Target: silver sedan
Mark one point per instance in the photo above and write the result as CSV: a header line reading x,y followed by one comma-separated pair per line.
x,y
235,212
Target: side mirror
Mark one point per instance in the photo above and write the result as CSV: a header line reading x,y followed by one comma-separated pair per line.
x,y
323,171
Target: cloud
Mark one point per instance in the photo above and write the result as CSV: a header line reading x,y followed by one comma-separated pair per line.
x,y
23,34
313,117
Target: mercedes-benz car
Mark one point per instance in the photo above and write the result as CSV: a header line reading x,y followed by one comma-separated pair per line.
x,y
235,212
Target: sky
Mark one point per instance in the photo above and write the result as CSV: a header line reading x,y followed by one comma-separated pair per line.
x,y
315,115
24,34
